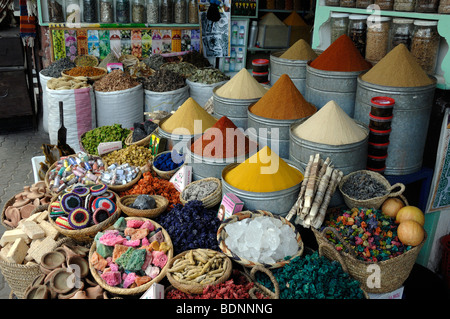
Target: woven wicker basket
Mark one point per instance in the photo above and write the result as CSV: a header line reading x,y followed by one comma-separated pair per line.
x,y
212,199
197,288
222,235
19,277
87,234
127,186
375,202
137,290
91,60
125,201
393,272
92,78
165,174
142,142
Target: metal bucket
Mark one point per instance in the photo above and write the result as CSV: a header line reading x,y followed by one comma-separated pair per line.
x,y
296,69
278,203
324,86
234,109
278,141
411,116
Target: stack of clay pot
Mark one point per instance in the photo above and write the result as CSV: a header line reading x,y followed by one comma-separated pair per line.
x,y
25,203
65,275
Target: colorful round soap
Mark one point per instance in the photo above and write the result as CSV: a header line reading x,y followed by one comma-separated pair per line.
x,y
70,201
105,203
98,189
55,206
63,222
81,191
109,195
79,218
100,215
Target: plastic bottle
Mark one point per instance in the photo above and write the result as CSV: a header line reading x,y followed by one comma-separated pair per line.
x,y
253,34
226,65
234,33
233,60
241,35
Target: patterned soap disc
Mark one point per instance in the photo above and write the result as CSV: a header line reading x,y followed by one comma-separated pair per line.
x,y
55,215
55,206
88,201
98,189
81,191
109,195
100,215
79,218
63,222
70,201
105,203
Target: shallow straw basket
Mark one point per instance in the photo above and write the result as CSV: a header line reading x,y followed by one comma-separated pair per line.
x,y
165,174
393,272
197,288
142,142
374,202
137,290
222,235
212,199
127,186
125,201
20,276
93,78
81,60
87,234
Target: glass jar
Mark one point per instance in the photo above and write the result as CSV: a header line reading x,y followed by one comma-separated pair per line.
x,y
332,3
122,11
339,25
404,5
429,6
193,11
152,11
425,44
179,11
385,4
357,29
90,11
363,4
347,3
138,11
377,38
166,11
73,11
401,32
106,11
55,11
444,6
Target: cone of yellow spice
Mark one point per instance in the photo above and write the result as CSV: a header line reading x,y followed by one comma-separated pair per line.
x,y
185,117
263,172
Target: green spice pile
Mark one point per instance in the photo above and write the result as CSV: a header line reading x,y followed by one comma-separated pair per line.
x,y
183,68
108,133
208,76
54,70
163,80
154,61
313,277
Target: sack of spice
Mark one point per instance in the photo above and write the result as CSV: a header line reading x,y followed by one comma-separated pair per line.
x,y
202,82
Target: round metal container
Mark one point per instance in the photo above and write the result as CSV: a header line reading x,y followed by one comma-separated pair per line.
x,y
324,86
278,203
296,69
409,126
270,132
234,109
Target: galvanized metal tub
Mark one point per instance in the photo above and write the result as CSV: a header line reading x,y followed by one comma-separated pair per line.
x,y
324,86
295,69
234,109
409,126
270,132
278,203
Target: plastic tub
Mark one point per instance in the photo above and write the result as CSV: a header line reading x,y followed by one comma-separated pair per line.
x,y
382,106
379,136
376,162
376,149
380,123
260,65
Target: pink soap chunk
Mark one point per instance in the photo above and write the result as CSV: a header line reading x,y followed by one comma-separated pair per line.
x,y
152,271
112,278
147,261
134,223
159,258
145,242
111,239
129,279
148,225
132,243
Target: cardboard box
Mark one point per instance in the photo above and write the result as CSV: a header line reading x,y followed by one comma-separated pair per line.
x,y
156,291
230,205
396,294
182,178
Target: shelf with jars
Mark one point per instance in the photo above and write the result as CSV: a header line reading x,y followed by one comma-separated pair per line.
x,y
423,26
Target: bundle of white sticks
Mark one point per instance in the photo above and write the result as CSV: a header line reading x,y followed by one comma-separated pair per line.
x,y
318,186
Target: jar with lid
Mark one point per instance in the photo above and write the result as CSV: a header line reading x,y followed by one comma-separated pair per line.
x,y
106,11
73,11
138,11
401,32
179,11
363,4
332,3
347,3
339,25
122,11
193,11
166,11
429,6
90,11
425,44
404,5
385,4
377,39
357,29
444,6
152,11
55,11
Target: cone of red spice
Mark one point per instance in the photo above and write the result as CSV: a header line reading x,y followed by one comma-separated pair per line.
x,y
342,55
223,140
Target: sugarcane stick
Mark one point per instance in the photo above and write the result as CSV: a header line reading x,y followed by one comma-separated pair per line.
x,y
323,168
309,191
336,178
321,190
298,204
